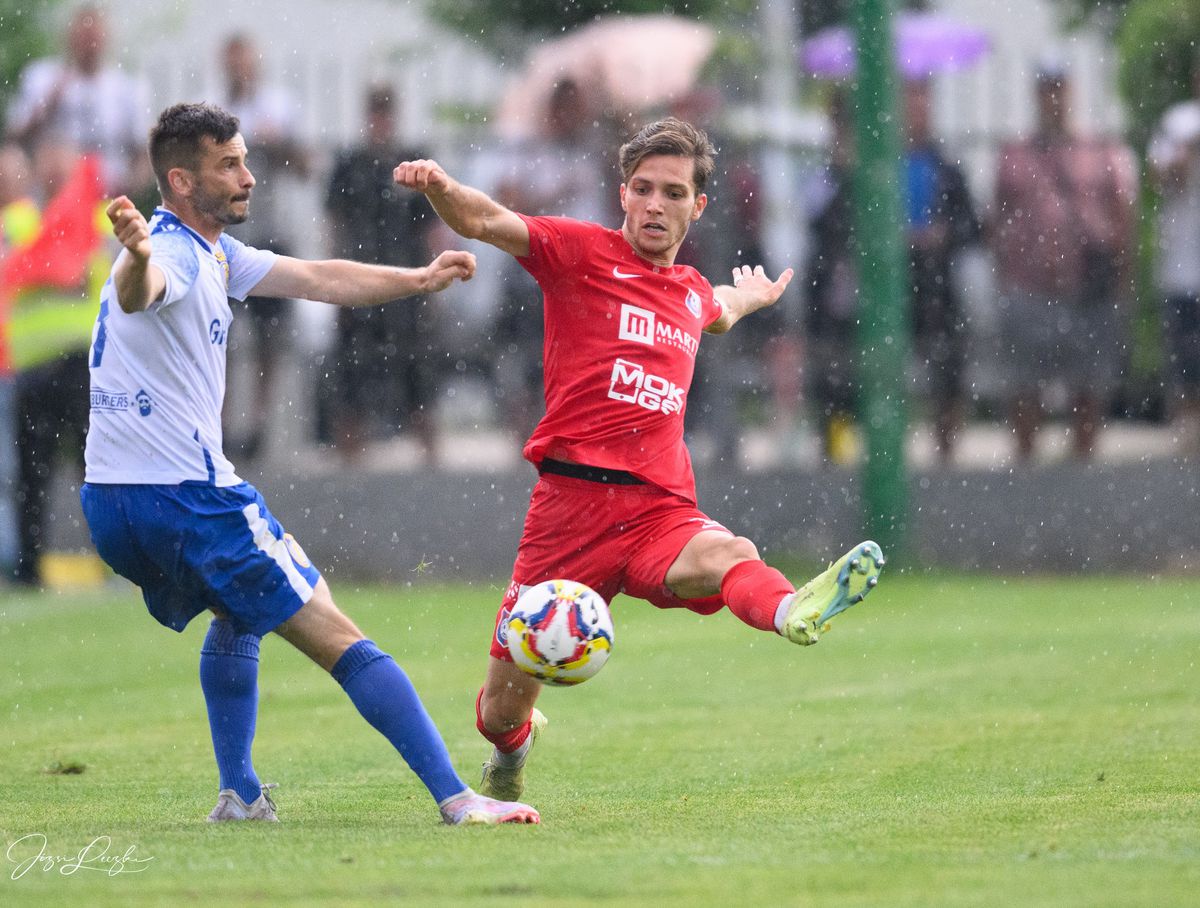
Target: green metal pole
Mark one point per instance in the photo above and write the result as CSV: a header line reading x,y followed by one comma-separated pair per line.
x,y
883,267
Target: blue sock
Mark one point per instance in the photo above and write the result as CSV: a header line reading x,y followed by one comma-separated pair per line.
x,y
229,679
387,699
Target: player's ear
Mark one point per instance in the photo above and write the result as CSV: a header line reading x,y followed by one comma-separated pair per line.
x,y
623,208
698,208
180,180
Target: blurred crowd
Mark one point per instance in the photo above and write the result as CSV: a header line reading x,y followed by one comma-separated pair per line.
x,y
1058,231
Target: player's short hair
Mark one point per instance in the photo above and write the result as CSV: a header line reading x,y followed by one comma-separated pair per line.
x,y
176,138
671,137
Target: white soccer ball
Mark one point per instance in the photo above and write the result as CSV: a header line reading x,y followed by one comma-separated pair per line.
x,y
560,631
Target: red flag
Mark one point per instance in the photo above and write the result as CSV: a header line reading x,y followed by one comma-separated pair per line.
x,y
59,255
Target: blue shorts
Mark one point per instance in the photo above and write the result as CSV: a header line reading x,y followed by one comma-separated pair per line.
x,y
194,546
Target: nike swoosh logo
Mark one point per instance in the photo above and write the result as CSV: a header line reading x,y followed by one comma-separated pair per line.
x,y
617,272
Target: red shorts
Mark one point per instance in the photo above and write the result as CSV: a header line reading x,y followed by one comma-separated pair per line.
x,y
614,538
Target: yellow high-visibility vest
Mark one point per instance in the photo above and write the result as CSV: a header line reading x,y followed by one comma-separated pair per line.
x,y
48,321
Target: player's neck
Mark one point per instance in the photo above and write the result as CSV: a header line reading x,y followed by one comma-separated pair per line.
x,y
209,229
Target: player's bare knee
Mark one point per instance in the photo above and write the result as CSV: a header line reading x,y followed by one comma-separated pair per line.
x,y
734,550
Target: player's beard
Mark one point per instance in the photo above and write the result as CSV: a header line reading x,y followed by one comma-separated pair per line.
x,y
220,208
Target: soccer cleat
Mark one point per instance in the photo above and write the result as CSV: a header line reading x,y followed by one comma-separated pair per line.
x,y
507,782
470,809
841,585
230,806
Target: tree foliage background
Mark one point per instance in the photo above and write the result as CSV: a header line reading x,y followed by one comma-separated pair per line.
x,y
1159,44
26,33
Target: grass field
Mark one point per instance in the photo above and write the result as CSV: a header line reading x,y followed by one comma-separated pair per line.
x,y
954,741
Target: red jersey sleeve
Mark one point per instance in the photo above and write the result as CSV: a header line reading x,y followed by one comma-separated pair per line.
x,y
556,246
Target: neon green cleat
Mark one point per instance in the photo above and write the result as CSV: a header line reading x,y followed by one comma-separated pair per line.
x,y
843,584
505,783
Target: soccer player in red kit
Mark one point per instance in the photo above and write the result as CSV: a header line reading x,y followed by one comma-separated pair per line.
x,y
615,503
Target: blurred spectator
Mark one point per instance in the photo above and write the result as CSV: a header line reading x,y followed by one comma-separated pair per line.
x,y
1175,164
941,222
831,324
563,171
268,117
1063,230
19,224
78,101
733,369
385,357
52,284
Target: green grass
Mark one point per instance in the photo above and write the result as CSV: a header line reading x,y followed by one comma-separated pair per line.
x,y
968,741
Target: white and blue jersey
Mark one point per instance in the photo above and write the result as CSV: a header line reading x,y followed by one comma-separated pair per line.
x,y
158,376
163,504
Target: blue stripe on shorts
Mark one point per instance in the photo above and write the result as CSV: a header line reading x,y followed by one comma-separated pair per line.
x,y
194,546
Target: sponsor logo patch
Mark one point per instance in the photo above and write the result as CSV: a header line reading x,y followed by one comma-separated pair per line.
x,y
109,400
642,326
632,384
692,301
297,553
637,324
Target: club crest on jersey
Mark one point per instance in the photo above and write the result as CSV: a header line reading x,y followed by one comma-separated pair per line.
x,y
692,301
219,255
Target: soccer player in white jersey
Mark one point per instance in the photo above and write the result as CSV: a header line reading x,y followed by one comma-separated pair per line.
x,y
165,507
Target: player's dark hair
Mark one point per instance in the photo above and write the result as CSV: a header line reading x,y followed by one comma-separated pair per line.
x,y
671,137
176,138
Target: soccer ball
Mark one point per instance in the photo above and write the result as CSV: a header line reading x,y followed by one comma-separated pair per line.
x,y
560,632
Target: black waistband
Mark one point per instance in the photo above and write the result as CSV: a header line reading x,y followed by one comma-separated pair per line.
x,y
592,474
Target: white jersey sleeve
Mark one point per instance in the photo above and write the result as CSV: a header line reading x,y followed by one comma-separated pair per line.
x,y
176,255
247,266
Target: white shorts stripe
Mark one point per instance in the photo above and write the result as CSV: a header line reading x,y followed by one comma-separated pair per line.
x,y
277,550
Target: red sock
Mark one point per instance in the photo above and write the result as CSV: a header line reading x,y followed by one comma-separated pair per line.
x,y
508,741
752,591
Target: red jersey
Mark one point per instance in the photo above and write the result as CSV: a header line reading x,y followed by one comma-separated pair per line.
x,y
619,352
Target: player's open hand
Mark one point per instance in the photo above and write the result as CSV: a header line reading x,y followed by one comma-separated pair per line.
x,y
423,176
448,267
759,289
129,227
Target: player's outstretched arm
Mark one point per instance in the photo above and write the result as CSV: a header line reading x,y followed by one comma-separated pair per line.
x,y
467,211
752,290
137,282
346,283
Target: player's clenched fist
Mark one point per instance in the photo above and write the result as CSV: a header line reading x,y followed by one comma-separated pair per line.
x,y
448,267
423,176
129,226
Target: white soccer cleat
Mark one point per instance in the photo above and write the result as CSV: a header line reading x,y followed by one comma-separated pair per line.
x,y
843,584
230,806
471,809
507,782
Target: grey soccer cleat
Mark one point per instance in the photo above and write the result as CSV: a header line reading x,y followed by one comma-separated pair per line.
x,y
506,783
230,806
